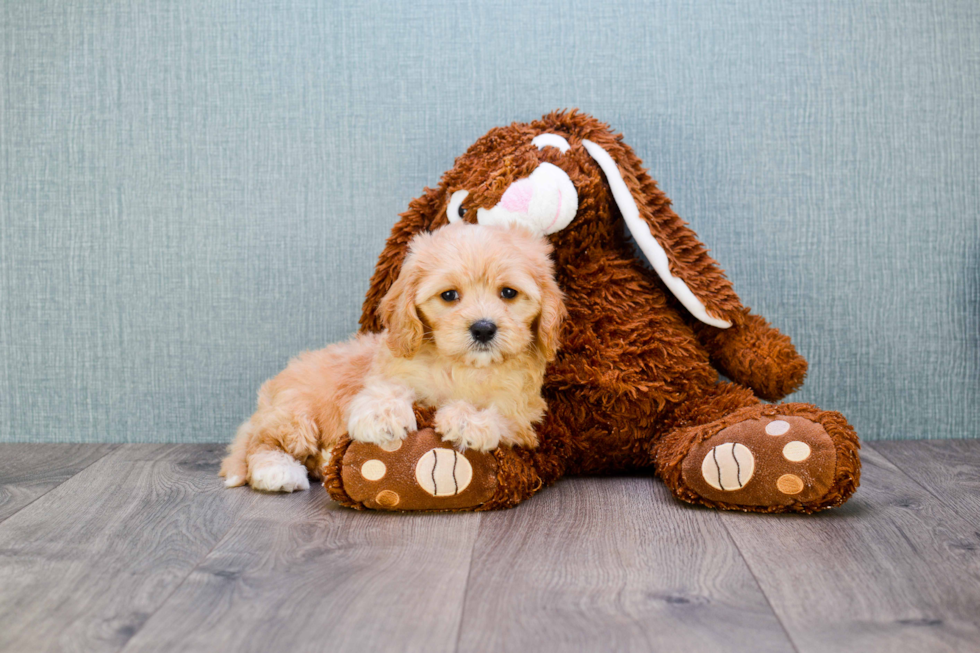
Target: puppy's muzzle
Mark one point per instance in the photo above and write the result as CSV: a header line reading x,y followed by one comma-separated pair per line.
x,y
483,331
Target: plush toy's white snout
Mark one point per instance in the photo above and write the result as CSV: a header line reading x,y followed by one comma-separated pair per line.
x,y
545,202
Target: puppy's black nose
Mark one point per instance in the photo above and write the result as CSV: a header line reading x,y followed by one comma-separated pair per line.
x,y
483,330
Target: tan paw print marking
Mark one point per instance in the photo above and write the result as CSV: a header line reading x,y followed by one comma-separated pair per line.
x,y
387,499
777,427
789,484
728,466
796,451
373,470
443,472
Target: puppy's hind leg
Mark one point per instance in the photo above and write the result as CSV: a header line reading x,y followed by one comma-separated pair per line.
x,y
273,470
284,440
269,451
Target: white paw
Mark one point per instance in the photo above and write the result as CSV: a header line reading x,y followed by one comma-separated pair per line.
x,y
381,414
234,481
277,471
468,428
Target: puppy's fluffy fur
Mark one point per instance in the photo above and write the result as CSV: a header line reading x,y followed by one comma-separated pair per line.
x,y
486,393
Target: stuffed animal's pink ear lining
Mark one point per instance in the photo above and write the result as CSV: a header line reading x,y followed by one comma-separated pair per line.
x,y
644,238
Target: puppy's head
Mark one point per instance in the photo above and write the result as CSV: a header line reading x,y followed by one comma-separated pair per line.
x,y
478,294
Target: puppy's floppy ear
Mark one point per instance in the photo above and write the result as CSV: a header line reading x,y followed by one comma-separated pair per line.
x,y
553,313
398,312
673,249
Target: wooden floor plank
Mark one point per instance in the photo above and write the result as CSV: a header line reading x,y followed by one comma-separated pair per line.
x,y
84,566
298,573
950,469
28,471
143,549
893,569
612,564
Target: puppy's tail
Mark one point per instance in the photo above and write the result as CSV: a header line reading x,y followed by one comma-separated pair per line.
x,y
233,467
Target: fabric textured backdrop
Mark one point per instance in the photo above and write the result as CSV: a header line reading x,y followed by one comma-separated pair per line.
x,y
192,192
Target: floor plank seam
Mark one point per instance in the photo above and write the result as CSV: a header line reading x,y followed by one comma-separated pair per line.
x,y
928,491
54,487
466,585
183,580
755,578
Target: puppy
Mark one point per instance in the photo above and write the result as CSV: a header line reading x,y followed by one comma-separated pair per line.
x,y
471,323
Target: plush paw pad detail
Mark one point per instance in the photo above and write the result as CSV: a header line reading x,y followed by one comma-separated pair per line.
x,y
789,484
796,451
388,499
420,473
763,462
443,472
373,470
777,427
728,466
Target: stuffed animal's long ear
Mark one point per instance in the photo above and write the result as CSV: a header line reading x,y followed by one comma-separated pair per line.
x,y
413,221
673,249
399,315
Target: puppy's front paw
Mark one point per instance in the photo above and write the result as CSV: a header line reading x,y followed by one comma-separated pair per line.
x,y
470,428
381,415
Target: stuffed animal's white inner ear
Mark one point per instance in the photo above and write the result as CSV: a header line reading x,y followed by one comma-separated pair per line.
x,y
542,141
452,211
645,239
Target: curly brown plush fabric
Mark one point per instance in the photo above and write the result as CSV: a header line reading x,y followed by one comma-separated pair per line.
x,y
332,480
635,385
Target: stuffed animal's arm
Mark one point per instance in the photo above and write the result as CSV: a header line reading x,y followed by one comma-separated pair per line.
x,y
754,353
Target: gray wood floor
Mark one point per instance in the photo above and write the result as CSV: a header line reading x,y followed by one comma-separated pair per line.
x,y
140,548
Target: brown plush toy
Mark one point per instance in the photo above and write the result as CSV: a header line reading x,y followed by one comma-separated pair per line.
x,y
635,385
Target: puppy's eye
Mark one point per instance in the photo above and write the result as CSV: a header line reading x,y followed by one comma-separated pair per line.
x,y
449,296
508,293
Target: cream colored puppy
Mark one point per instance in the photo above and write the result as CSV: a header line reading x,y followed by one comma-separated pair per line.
x,y
471,322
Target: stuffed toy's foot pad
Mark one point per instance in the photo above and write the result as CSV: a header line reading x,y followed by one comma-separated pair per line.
x,y
420,472
769,461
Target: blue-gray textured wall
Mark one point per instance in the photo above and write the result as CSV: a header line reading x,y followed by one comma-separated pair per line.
x,y
191,192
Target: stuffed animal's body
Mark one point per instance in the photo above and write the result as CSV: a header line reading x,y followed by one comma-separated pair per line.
x,y
636,382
